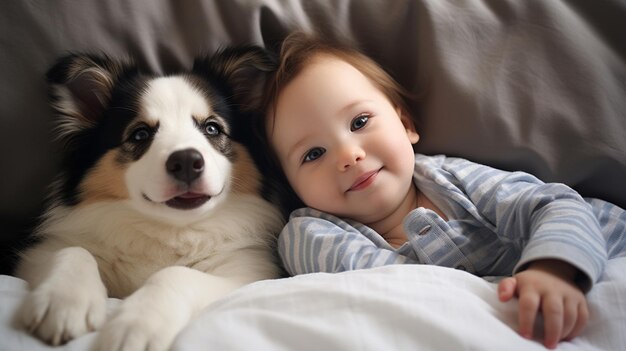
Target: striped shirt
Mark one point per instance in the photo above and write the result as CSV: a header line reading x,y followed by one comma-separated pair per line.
x,y
498,222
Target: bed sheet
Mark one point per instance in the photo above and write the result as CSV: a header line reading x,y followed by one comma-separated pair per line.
x,y
401,307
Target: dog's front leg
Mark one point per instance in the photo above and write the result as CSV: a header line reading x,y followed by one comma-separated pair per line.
x,y
151,317
67,297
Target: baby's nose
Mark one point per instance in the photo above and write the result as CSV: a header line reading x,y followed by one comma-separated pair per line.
x,y
349,156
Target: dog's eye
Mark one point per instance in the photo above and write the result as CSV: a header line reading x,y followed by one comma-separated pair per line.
x,y
212,129
140,134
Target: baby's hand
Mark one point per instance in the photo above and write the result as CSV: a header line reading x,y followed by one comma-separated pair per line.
x,y
547,285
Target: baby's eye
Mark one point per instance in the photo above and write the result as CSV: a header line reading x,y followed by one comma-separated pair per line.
x,y
359,122
313,154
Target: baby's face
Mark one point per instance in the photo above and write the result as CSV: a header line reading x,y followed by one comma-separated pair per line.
x,y
343,146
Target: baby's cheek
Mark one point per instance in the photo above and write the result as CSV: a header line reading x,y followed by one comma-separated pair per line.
x,y
309,193
314,192
301,185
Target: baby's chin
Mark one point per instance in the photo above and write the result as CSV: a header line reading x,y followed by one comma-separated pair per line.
x,y
375,214
374,207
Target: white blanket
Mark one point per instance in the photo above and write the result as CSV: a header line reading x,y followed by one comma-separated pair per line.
x,y
403,307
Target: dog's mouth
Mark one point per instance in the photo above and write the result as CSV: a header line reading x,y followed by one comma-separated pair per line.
x,y
187,201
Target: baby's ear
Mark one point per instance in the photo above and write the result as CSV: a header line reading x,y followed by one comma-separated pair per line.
x,y
81,87
409,125
244,69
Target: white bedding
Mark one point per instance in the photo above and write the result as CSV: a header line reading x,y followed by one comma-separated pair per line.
x,y
403,307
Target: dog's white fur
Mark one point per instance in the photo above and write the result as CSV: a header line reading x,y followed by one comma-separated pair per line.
x,y
122,238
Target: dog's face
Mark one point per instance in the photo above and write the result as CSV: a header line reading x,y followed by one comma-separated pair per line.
x,y
176,154
180,152
166,145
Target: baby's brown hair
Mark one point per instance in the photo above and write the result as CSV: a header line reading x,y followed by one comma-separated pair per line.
x,y
297,50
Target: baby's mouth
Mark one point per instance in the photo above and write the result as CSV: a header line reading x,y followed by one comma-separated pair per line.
x,y
364,180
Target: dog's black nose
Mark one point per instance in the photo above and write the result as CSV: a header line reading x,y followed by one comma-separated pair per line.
x,y
185,165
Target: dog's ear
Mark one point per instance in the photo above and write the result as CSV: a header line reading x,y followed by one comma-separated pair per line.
x,y
244,69
81,87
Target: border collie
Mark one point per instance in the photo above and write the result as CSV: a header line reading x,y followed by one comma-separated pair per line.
x,y
159,200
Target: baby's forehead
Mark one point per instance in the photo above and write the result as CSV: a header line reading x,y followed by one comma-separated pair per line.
x,y
348,64
328,70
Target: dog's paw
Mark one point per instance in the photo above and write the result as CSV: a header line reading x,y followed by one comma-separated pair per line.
x,y
141,326
58,314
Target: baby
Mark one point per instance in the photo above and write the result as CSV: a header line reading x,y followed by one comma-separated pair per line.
x,y
339,128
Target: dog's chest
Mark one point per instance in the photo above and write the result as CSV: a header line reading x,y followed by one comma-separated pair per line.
x,y
129,247
127,262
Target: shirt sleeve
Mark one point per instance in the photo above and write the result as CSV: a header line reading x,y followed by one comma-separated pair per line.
x,y
548,220
316,242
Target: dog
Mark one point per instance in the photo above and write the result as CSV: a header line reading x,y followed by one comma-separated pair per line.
x,y
160,201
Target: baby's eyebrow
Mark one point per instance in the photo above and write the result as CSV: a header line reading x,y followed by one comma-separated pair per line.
x,y
350,106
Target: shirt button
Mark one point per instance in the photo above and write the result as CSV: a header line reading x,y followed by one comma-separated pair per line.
x,y
424,230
